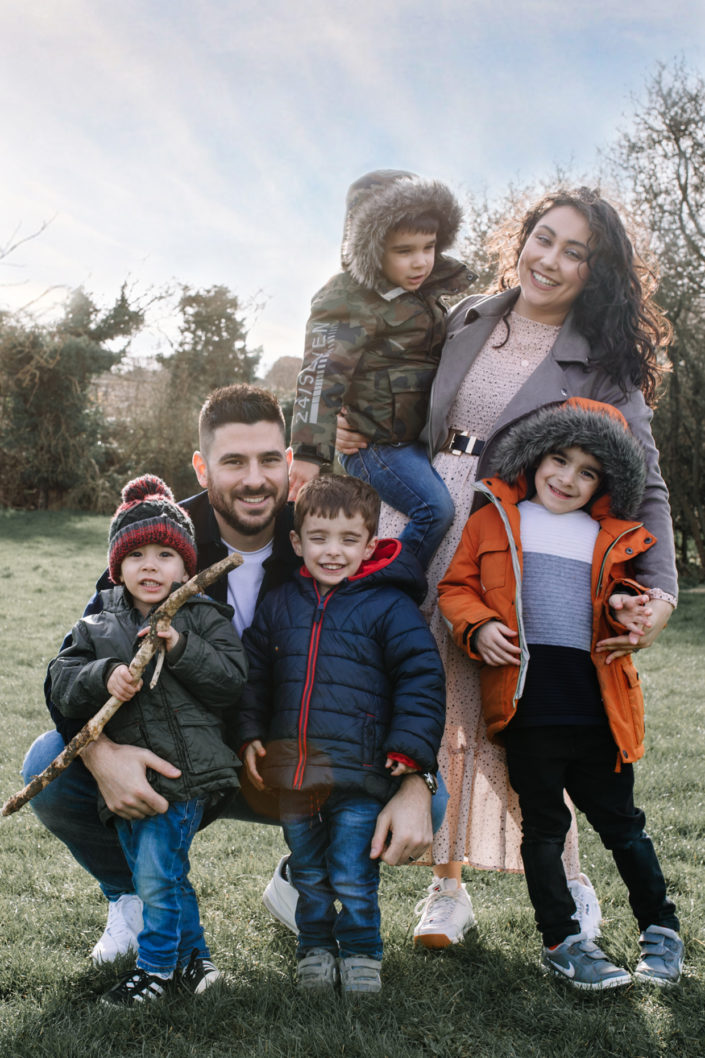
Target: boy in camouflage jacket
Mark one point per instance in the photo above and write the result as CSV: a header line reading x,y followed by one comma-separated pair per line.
x,y
373,343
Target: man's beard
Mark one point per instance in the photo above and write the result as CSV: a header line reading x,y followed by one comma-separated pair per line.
x,y
246,528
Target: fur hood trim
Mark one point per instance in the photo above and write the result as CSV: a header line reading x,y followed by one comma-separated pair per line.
x,y
598,428
376,203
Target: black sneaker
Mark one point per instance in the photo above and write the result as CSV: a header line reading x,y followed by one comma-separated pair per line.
x,y
138,986
199,975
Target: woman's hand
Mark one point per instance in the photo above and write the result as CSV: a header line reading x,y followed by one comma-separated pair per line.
x,y
618,646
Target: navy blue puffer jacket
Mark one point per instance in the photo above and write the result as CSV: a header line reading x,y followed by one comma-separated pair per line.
x,y
338,681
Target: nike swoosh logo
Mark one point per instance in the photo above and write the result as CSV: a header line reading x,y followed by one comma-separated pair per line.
x,y
567,972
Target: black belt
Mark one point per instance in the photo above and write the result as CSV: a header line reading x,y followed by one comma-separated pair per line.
x,y
463,443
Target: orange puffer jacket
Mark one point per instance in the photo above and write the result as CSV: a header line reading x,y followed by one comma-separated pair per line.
x,y
483,582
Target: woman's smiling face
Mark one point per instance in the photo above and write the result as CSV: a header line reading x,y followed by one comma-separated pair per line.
x,y
553,266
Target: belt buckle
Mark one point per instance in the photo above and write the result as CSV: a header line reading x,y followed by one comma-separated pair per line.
x,y
467,448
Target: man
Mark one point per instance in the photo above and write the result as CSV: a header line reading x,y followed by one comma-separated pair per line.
x,y
242,466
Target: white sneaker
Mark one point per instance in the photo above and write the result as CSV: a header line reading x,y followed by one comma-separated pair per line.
x,y
280,897
121,930
446,914
587,906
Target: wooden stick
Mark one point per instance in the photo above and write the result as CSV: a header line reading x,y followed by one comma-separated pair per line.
x,y
158,622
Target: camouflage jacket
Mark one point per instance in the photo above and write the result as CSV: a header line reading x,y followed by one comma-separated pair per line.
x,y
376,352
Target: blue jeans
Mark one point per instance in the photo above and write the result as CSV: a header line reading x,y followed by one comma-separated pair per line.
x,y
67,807
330,860
405,479
156,850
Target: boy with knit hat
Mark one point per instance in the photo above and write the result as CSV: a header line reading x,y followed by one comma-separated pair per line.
x,y
181,718
373,343
540,578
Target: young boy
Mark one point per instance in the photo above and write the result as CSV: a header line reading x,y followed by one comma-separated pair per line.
x,y
346,694
541,576
373,343
151,550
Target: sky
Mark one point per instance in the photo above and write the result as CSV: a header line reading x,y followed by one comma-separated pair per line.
x,y
211,142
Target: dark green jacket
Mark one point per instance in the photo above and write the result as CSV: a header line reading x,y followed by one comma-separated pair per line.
x,y
183,718
370,346
374,351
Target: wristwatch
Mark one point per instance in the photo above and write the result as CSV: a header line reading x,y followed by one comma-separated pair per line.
x,y
430,779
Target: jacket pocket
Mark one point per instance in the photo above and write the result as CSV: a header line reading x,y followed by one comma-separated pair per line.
x,y
493,560
368,740
635,700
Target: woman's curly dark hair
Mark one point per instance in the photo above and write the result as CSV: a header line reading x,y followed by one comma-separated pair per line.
x,y
614,311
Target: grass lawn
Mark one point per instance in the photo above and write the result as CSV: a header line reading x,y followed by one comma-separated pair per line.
x,y
485,999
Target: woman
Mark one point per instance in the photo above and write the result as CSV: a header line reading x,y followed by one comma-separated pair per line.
x,y
580,322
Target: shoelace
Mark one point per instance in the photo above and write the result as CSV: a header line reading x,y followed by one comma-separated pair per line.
x,y
443,900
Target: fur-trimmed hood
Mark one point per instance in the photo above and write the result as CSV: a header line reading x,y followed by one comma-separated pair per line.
x,y
376,203
600,429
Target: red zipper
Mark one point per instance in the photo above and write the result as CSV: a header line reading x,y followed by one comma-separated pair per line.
x,y
308,685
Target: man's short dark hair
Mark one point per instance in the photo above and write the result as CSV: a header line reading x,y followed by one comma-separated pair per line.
x,y
239,403
331,494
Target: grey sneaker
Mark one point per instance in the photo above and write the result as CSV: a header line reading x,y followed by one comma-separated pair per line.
x,y
360,974
317,971
280,898
581,963
661,960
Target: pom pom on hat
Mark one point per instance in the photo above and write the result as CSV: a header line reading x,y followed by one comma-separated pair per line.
x,y
149,515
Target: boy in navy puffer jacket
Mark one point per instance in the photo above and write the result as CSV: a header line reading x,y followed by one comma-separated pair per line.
x,y
346,694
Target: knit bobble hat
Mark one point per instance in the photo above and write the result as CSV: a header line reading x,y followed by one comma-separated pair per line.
x,y
149,515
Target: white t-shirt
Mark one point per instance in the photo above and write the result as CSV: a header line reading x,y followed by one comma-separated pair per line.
x,y
244,584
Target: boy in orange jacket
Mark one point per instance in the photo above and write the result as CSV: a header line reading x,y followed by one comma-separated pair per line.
x,y
540,577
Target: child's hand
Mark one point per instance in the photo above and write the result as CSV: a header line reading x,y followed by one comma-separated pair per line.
x,y
254,750
494,645
632,611
397,768
301,471
122,685
170,636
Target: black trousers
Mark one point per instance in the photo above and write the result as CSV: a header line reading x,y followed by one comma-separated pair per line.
x,y
545,761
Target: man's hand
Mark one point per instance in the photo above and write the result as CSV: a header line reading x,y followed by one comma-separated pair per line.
x,y
404,822
495,646
121,774
618,646
255,750
301,471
